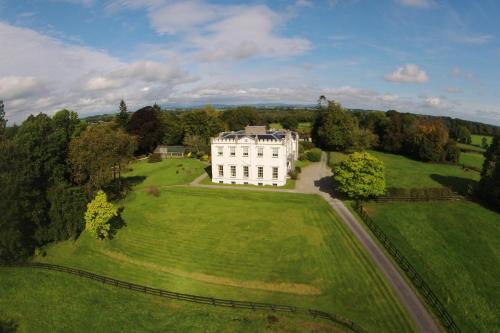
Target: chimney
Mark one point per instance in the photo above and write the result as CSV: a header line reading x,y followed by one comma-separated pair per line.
x,y
255,130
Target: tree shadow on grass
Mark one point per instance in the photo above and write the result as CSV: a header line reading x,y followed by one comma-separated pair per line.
x,y
208,170
460,185
118,189
116,223
8,326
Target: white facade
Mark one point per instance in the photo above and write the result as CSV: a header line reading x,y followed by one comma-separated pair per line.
x,y
254,156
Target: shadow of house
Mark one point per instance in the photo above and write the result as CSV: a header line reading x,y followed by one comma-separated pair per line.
x,y
462,186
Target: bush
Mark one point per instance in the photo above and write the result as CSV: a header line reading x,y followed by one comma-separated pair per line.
x,y
293,175
302,157
419,194
204,158
154,158
153,191
305,145
314,155
298,169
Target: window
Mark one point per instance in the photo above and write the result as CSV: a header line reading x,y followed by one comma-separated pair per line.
x,y
275,173
275,152
232,151
220,151
233,183
260,172
233,170
221,171
245,171
245,151
260,151
221,182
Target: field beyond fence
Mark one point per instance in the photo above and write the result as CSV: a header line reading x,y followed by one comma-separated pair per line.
x,y
417,280
336,319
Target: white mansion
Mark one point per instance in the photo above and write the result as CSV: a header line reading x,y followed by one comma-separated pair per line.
x,y
254,156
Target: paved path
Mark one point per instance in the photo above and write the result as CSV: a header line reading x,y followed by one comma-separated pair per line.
x,y
317,179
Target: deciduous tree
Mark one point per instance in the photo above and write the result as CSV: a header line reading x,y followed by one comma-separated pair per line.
x,y
147,126
489,185
98,216
360,176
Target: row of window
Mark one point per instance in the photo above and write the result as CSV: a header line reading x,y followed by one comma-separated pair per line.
x,y
246,174
232,151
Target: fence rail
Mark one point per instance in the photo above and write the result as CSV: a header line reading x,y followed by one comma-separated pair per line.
x,y
417,280
335,318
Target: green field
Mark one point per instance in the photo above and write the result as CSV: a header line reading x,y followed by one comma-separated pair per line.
x,y
472,159
470,148
403,172
44,301
290,184
456,248
478,139
260,246
165,173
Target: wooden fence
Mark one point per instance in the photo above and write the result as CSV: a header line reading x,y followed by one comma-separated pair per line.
x,y
198,299
425,291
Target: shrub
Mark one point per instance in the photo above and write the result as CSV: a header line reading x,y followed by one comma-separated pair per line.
x,y
293,174
204,158
314,155
154,158
306,145
419,194
98,215
153,191
298,169
302,157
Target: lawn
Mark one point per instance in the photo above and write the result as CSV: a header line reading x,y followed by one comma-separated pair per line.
x,y
404,172
472,159
478,139
290,184
456,248
274,247
45,301
470,148
173,171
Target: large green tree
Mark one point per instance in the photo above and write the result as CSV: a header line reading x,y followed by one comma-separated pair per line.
x,y
236,119
427,139
147,126
98,155
334,129
360,176
202,123
3,121
489,185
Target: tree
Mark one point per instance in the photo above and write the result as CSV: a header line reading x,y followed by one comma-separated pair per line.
x,y
484,143
334,128
237,119
98,155
122,118
463,135
148,127
426,140
489,185
360,176
202,123
290,123
195,144
98,216
173,130
3,121
392,135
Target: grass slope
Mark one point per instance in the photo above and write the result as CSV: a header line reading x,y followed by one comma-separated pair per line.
x,y
470,148
472,159
44,301
259,246
456,247
173,171
478,139
407,173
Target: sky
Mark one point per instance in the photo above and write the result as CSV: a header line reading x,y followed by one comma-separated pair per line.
x,y
438,57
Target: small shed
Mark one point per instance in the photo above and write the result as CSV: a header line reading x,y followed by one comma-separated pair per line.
x,y
170,151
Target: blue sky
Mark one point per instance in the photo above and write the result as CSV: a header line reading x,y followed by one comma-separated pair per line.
x,y
427,56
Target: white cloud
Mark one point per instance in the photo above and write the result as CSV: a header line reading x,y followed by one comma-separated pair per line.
x,y
16,87
471,39
417,3
222,32
436,103
409,73
453,90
